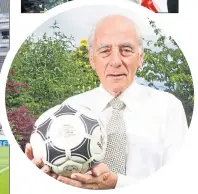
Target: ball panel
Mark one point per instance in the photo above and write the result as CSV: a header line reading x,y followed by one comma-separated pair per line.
x,y
67,131
59,160
67,168
38,146
88,123
86,112
46,115
82,149
77,159
97,144
53,153
85,167
65,109
44,127
34,129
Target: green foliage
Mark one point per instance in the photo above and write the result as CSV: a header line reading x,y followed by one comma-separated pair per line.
x,y
80,55
51,69
168,65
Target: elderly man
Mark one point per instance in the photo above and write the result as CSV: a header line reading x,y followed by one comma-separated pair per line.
x,y
144,126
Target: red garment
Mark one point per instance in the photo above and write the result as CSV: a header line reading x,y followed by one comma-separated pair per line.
x,y
149,4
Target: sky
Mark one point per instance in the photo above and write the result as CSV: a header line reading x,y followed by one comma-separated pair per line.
x,y
79,21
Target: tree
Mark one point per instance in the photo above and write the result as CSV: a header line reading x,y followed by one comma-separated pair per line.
x,y
165,65
80,55
51,69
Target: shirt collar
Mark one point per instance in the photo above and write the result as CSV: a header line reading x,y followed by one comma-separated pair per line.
x,y
105,98
130,96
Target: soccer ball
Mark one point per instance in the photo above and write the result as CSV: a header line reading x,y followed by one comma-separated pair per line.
x,y
69,138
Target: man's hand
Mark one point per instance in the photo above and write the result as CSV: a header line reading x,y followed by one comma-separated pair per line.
x,y
101,178
38,161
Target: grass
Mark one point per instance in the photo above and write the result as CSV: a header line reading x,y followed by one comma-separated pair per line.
x,y
4,182
4,156
4,174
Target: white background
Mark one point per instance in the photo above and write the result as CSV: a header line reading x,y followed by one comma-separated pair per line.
x,y
179,176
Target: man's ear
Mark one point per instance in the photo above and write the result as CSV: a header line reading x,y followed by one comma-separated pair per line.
x,y
91,59
141,60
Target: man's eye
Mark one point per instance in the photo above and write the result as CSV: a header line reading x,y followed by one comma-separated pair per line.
x,y
126,50
104,51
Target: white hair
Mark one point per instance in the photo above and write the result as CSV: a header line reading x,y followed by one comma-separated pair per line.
x,y
93,32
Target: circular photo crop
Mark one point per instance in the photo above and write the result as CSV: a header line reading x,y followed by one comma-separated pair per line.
x,y
99,97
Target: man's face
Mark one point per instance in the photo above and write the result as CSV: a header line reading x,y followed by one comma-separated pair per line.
x,y
116,54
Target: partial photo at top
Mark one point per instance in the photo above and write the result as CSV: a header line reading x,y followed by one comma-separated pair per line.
x,y
4,48
157,6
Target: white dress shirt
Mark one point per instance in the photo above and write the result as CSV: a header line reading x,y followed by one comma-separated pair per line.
x,y
155,123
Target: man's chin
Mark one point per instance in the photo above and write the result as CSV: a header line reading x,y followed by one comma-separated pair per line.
x,y
116,91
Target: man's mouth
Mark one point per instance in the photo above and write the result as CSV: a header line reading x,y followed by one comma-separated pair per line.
x,y
117,75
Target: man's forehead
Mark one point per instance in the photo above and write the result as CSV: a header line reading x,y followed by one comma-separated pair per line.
x,y
105,39
121,32
115,29
118,43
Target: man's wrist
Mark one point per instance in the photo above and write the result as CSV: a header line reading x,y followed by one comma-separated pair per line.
x,y
114,178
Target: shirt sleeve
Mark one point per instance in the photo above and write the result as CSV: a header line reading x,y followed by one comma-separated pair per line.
x,y
124,181
175,129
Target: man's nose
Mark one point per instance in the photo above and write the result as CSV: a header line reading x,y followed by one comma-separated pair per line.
x,y
115,59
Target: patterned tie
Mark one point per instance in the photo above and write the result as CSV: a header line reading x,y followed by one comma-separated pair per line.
x,y
115,156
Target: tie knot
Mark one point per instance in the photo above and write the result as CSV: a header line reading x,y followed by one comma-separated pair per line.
x,y
117,104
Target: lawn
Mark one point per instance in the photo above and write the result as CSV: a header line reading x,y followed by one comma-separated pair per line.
x,y
4,170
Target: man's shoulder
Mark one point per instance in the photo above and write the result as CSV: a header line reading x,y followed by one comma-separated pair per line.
x,y
83,98
158,96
